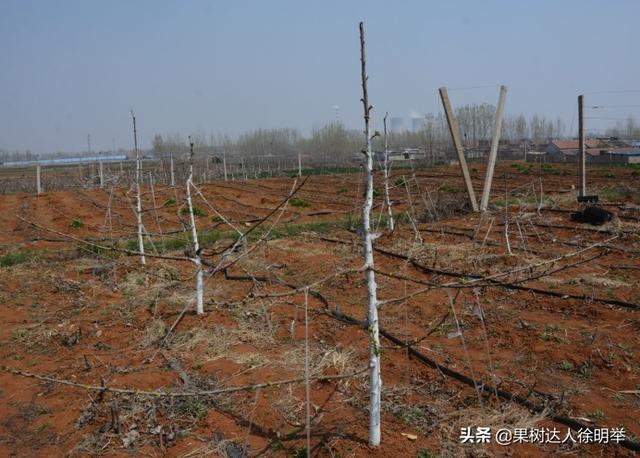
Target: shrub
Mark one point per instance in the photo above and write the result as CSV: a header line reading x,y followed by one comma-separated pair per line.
x,y
296,202
448,188
17,257
376,193
76,224
196,212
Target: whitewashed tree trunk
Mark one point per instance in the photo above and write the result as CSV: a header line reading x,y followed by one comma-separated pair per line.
x,y
173,177
196,246
367,242
138,198
38,181
390,223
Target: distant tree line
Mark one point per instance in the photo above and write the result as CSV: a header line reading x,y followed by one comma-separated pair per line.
x,y
627,129
335,144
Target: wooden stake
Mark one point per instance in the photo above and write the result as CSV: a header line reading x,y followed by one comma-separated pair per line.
x,y
493,153
454,130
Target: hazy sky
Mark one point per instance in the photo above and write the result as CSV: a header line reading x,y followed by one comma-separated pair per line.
x,y
70,68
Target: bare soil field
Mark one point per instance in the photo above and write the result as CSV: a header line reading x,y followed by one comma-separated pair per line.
x,y
103,356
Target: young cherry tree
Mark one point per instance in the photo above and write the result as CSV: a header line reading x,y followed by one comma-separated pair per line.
x,y
138,198
367,245
387,196
194,234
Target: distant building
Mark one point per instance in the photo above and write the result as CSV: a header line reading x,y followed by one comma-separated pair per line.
x,y
66,161
506,150
405,154
628,155
606,150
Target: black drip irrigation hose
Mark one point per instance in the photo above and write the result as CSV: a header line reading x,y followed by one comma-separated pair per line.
x,y
485,388
425,360
501,284
497,283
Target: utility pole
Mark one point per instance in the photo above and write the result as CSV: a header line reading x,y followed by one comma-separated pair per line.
x,y
455,136
582,159
493,153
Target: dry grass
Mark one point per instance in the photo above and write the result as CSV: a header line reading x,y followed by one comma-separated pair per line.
x,y
155,330
211,344
321,360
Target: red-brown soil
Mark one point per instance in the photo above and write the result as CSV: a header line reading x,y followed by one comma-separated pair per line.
x,y
93,316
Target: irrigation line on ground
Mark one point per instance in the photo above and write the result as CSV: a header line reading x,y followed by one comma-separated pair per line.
x,y
487,389
179,394
423,359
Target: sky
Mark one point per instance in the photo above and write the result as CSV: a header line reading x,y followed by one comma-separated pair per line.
x,y
69,69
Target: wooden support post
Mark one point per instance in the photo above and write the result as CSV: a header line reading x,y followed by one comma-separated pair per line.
x,y
101,172
493,153
299,165
38,182
582,159
455,136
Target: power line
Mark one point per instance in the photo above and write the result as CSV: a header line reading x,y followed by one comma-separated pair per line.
x,y
613,106
613,119
622,91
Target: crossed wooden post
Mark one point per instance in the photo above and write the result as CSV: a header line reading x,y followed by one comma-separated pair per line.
x,y
454,130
